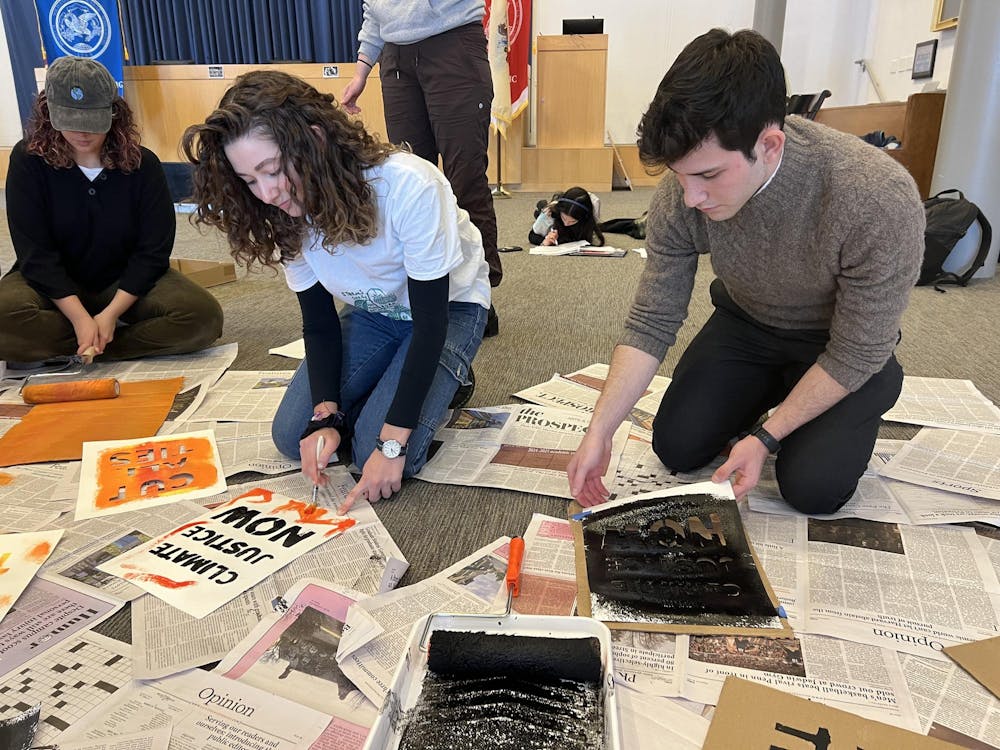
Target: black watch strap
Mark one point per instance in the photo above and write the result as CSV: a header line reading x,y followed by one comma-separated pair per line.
x,y
770,441
336,421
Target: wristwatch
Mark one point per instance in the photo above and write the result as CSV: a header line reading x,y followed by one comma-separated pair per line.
x,y
770,441
390,448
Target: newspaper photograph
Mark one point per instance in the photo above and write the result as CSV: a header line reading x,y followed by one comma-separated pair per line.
x,y
951,460
293,653
245,396
474,585
71,679
167,640
951,705
205,710
943,402
548,572
529,449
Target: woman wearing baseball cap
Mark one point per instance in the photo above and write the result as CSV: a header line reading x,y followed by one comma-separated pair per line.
x,y
92,224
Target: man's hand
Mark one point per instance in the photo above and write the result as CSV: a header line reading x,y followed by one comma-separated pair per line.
x,y
311,468
380,478
746,459
352,91
587,468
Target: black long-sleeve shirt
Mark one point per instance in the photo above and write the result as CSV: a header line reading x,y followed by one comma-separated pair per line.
x,y
74,235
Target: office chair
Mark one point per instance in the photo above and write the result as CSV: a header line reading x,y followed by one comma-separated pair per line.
x,y
806,105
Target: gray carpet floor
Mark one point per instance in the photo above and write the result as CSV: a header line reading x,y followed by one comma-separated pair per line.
x,y
557,315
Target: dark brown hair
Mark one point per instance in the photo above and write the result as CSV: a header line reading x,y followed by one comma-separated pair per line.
x,y
120,150
337,198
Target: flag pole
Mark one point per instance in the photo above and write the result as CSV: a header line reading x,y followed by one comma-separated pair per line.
x,y
500,191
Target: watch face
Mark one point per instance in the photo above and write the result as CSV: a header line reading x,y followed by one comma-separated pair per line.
x,y
391,448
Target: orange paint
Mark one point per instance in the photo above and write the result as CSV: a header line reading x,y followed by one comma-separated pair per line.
x,y
265,496
5,478
38,553
5,601
3,563
152,469
311,514
167,583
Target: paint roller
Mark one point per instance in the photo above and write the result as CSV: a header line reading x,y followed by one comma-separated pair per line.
x,y
462,654
59,387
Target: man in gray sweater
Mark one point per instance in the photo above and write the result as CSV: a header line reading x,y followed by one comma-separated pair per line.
x,y
815,238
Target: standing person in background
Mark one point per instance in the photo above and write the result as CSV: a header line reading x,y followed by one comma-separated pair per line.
x,y
93,225
437,90
568,217
292,181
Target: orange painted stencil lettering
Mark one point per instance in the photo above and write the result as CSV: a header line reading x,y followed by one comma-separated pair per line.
x,y
154,469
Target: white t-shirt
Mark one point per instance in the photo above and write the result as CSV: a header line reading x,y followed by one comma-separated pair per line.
x,y
422,234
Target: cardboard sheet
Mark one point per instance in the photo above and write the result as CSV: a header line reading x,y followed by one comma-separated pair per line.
x,y
21,555
756,717
57,432
981,659
122,475
216,556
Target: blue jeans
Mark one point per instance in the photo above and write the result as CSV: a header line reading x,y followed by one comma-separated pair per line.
x,y
374,348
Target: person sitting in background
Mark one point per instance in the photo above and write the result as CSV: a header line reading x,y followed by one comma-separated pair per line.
x,y
293,181
92,224
568,217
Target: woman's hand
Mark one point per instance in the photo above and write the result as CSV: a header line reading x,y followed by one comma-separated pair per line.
x,y
552,238
88,334
380,478
106,323
313,463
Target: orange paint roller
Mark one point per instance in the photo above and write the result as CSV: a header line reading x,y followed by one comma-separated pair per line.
x,y
73,390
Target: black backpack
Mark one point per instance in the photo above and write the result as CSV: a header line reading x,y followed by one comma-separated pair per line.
x,y
948,219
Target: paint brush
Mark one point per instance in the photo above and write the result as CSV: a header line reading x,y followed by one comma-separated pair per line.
x,y
319,452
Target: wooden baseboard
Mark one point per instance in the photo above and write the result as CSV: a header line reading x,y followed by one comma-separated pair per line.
x,y
550,169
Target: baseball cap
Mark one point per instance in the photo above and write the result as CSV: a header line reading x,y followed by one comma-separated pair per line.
x,y
80,92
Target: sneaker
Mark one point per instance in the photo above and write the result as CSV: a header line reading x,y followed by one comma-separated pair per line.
x,y
492,323
464,392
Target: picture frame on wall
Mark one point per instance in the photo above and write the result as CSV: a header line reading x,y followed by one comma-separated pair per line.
x,y
923,59
945,14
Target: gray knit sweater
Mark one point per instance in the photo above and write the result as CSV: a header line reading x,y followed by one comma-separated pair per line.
x,y
409,21
834,242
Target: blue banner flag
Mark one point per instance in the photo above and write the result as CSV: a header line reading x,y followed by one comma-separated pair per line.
x,y
83,28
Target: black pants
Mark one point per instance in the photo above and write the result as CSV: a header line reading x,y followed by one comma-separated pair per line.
x,y
437,95
734,371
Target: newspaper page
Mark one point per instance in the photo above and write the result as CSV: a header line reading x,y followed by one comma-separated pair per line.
x,y
865,680
205,710
474,585
364,558
780,545
88,543
29,500
652,722
989,537
548,572
245,396
293,653
952,706
951,460
152,739
244,446
71,680
942,402
915,589
926,505
646,662
45,615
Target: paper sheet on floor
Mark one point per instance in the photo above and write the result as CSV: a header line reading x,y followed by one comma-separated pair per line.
x,y
150,739
245,396
205,710
548,573
649,722
950,460
217,554
517,447
293,350
941,402
167,640
21,555
293,653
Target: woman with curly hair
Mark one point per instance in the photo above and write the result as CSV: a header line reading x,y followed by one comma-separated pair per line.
x,y
93,225
294,182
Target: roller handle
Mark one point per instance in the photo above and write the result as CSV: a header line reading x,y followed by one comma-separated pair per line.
x,y
514,559
77,390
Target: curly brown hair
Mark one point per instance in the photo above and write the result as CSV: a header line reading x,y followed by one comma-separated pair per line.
x,y
337,199
120,150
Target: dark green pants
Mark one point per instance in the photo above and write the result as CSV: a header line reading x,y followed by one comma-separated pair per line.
x,y
177,316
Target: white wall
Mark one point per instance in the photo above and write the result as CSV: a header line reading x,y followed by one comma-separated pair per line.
x,y
10,119
821,41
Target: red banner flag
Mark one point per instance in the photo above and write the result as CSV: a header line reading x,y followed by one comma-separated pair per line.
x,y
509,50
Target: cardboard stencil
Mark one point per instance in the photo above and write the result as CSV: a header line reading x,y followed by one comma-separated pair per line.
x,y
122,475
676,561
210,560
